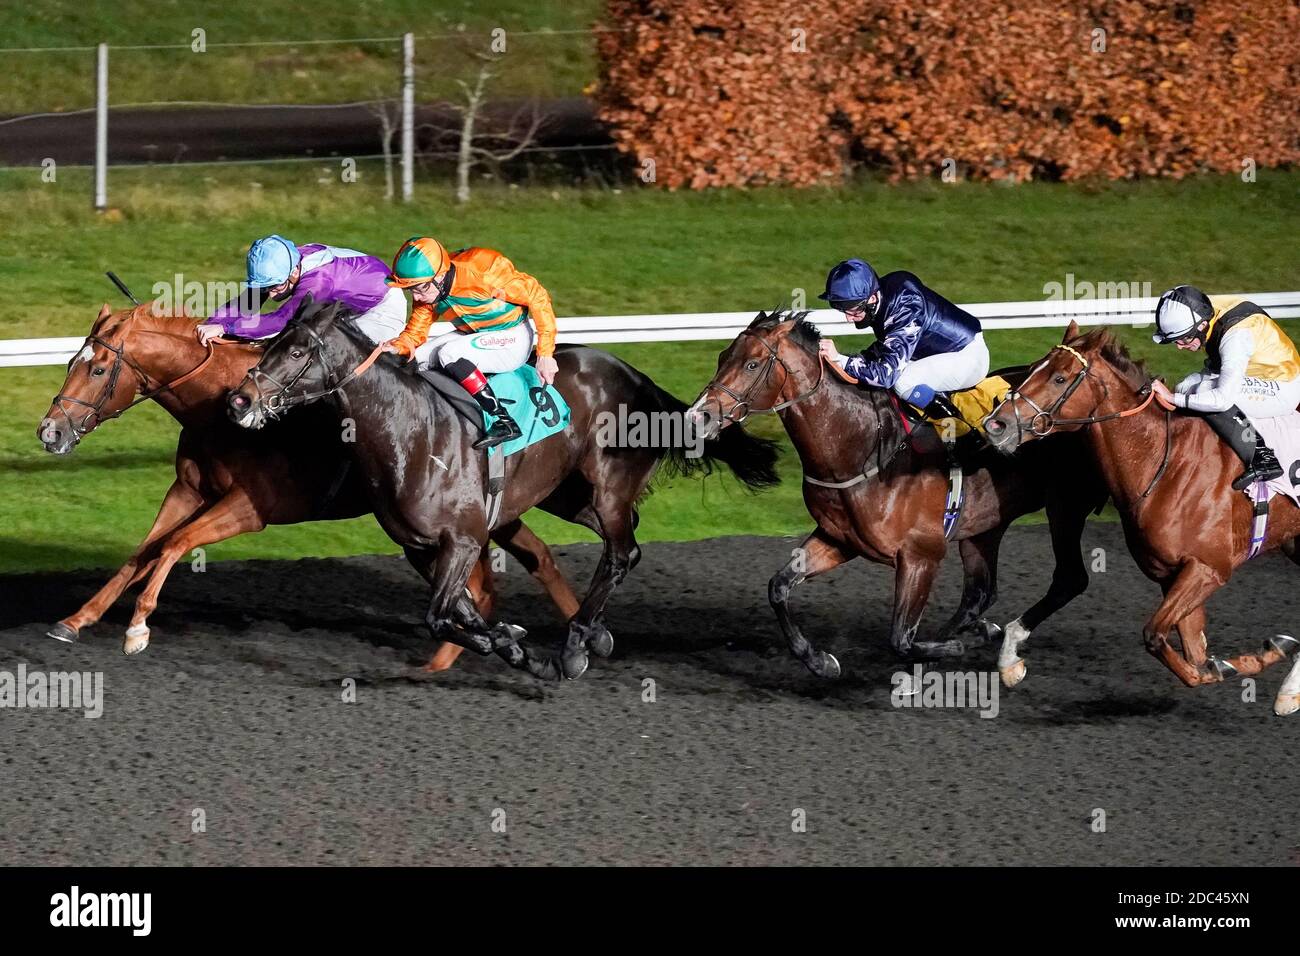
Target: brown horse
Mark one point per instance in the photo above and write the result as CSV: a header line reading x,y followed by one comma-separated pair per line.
x,y
877,495
1171,478
229,480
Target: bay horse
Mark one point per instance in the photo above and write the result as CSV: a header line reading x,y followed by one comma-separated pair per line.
x,y
878,495
1171,479
228,481
427,481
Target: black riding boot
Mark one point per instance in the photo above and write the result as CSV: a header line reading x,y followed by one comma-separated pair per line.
x,y
1235,428
504,428
941,407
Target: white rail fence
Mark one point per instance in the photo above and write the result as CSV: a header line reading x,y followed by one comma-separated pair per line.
x,y
727,325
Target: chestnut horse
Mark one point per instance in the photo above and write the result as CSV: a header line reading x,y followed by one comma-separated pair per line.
x,y
1171,478
428,481
228,481
876,494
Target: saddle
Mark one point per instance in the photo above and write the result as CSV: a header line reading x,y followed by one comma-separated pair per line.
x,y
968,406
456,396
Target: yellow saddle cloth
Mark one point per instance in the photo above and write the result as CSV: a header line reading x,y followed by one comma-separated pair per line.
x,y
973,403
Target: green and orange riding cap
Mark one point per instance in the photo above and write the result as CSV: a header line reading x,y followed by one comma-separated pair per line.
x,y
421,259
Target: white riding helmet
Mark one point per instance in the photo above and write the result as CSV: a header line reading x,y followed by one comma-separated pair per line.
x,y
1179,312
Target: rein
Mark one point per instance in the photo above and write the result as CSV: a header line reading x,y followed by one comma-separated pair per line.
x,y
1044,420
279,401
742,400
81,428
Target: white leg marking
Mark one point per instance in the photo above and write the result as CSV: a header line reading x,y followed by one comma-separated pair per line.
x,y
137,639
1010,666
1288,695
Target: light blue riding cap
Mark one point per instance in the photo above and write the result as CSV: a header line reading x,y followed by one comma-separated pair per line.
x,y
270,261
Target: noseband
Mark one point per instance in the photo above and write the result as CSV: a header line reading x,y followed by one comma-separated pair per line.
x,y
85,425
1044,421
275,403
742,401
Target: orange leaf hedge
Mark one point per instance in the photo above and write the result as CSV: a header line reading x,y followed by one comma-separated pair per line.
x,y
745,92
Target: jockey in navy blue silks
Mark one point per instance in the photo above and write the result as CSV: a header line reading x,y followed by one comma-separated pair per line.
x,y
924,344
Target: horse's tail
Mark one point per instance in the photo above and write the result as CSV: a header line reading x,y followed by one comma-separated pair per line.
x,y
751,459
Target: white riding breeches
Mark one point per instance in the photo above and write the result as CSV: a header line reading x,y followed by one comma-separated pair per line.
x,y
499,351
947,371
502,351
386,320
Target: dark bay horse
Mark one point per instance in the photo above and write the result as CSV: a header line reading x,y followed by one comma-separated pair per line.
x,y
889,506
427,482
1171,478
229,481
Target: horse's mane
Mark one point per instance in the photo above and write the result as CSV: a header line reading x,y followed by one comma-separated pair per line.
x,y
342,317
803,332
1104,343
146,317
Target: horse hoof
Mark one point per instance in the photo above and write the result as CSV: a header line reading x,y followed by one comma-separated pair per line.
x,y
824,665
137,639
62,632
1288,695
601,643
543,668
508,634
1012,675
1284,644
573,663
1221,667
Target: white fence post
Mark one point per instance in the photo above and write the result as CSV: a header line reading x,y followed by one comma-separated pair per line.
x,y
408,116
101,127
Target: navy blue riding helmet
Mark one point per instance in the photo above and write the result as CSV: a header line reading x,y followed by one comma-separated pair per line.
x,y
849,285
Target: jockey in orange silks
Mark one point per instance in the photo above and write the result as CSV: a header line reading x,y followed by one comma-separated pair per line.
x,y
498,314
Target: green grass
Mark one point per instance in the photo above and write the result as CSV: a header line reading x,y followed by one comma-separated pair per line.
x,y
599,252
557,65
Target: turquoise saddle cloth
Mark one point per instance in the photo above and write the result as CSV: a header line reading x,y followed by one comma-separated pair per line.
x,y
540,410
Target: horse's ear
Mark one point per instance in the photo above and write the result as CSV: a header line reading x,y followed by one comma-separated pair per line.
x,y
104,313
1071,332
307,306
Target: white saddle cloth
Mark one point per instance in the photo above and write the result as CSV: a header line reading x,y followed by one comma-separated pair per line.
x,y
1282,434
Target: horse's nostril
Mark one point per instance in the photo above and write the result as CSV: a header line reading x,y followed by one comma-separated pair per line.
x,y
239,401
994,427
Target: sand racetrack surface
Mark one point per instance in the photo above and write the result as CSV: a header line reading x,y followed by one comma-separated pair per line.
x,y
236,710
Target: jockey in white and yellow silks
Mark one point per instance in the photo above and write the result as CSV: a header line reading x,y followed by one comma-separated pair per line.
x,y
497,314
1252,371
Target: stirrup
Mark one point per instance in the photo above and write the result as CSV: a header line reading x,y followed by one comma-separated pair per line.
x,y
502,430
1253,474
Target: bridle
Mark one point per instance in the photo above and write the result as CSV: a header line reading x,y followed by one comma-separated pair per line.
x,y
275,403
742,400
1044,421
82,427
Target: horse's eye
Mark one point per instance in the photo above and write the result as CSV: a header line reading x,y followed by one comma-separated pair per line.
x,y
296,353
98,371
751,366
1060,379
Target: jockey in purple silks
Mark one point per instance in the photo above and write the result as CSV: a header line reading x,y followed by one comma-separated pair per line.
x,y
284,272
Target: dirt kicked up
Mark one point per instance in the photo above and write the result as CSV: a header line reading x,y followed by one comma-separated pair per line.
x,y
279,716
